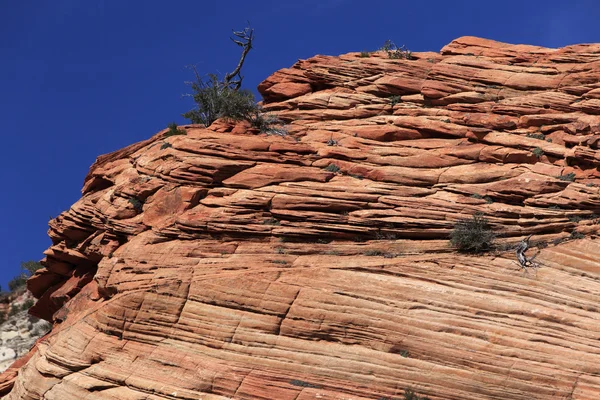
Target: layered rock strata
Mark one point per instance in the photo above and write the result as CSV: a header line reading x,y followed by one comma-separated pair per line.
x,y
226,264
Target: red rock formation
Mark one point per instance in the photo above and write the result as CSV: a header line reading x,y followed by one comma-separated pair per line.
x,y
230,265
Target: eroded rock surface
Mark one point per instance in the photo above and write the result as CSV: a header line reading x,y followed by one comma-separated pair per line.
x,y
228,265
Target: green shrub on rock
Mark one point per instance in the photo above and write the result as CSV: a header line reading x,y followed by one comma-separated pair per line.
x,y
473,235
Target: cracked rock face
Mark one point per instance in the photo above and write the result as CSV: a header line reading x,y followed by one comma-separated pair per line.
x,y
234,265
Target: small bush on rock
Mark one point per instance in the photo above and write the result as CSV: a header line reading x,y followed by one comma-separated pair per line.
x,y
174,130
396,52
570,177
538,152
222,98
472,235
17,282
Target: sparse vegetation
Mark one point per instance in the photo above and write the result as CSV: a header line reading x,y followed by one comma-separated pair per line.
x,y
271,221
26,305
165,145
216,98
579,218
136,203
538,152
576,235
174,130
30,267
570,177
17,282
379,253
472,235
298,382
409,394
396,52
395,100
539,136
365,54
332,168
487,199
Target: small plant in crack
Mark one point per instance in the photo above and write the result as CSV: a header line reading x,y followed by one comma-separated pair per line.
x,y
332,141
539,136
473,235
174,130
570,177
136,203
332,168
538,152
576,235
271,221
395,52
394,100
279,250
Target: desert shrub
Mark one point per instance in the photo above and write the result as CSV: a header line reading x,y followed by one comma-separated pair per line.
x,y
222,98
265,122
487,199
365,54
332,168
30,267
371,253
570,177
27,304
215,99
409,394
17,282
539,136
538,152
174,130
136,203
395,100
396,52
472,235
576,235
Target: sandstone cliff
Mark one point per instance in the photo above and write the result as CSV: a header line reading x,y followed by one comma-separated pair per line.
x,y
228,265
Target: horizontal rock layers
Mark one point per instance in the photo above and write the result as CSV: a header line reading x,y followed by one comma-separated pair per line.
x,y
222,264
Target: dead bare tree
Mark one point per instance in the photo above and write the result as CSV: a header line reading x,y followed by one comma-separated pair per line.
x,y
216,98
244,40
521,249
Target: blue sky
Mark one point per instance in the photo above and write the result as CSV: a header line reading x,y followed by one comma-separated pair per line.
x,y
83,78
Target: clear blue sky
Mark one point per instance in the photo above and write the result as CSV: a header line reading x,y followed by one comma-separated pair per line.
x,y
83,78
